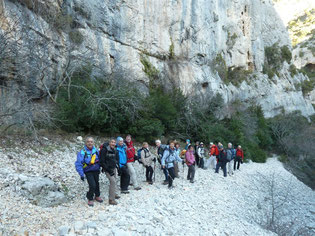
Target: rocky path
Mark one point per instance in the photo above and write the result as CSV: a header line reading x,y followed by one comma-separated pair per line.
x,y
213,205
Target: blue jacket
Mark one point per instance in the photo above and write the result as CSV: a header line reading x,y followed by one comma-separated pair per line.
x,y
122,155
83,163
169,157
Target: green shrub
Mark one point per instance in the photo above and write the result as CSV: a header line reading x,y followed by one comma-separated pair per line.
x,y
91,105
274,58
257,154
63,22
219,65
237,75
149,69
286,54
293,70
76,37
283,158
171,50
147,129
307,86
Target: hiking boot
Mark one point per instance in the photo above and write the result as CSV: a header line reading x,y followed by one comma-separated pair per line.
x,y
91,203
124,191
191,181
165,182
137,188
98,199
170,187
131,184
112,202
150,182
117,196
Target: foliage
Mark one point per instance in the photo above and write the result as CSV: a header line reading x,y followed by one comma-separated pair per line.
x,y
146,129
300,28
308,85
149,69
286,54
91,105
76,37
63,22
294,137
171,50
293,70
219,65
237,75
274,58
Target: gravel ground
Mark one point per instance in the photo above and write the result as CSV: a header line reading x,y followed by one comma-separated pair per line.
x,y
237,205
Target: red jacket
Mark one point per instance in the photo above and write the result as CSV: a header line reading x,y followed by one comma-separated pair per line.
x,y
213,150
240,153
131,152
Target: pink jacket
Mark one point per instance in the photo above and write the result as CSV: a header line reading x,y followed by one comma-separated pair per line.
x,y
190,158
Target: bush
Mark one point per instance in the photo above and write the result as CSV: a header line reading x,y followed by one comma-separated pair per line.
x,y
237,75
219,65
293,70
148,68
307,86
91,105
286,54
63,22
254,153
76,37
274,58
147,129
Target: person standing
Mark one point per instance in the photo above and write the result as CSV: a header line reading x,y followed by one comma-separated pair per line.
x,y
239,157
87,165
169,157
131,152
187,144
212,154
109,160
176,166
123,169
160,151
222,160
230,157
147,160
190,161
196,153
201,155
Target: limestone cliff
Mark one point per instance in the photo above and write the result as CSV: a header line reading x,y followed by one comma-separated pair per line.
x,y
184,40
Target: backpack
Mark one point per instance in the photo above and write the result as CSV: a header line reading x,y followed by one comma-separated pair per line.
x,y
229,154
216,151
163,148
103,145
233,153
139,154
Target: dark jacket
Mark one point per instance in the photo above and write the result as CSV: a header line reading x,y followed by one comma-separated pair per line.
x,y
222,156
108,158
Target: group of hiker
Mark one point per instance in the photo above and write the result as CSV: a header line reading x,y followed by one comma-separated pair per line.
x,y
117,156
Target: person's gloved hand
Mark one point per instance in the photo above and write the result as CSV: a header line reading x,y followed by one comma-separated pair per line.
x,y
119,172
112,173
82,178
154,159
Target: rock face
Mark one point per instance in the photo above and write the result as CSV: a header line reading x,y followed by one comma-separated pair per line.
x,y
182,39
38,190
